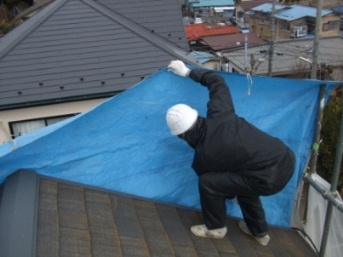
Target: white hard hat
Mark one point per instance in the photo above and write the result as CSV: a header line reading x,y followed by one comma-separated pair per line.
x,y
180,118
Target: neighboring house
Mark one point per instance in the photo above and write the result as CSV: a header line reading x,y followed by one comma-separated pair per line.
x,y
208,60
73,54
242,11
213,47
195,32
291,21
292,58
211,8
222,43
339,11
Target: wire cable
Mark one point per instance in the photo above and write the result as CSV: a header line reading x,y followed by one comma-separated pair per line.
x,y
307,236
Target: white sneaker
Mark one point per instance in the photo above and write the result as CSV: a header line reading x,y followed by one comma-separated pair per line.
x,y
203,231
264,240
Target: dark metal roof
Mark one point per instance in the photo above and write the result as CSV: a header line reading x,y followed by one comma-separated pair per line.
x,y
73,220
232,41
164,17
77,49
338,9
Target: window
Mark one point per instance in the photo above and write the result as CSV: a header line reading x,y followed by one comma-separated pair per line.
x,y
285,26
299,31
19,128
332,25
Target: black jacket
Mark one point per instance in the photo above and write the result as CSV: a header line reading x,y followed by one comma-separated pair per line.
x,y
224,141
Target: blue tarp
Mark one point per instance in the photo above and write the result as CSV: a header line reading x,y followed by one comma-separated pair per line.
x,y
124,143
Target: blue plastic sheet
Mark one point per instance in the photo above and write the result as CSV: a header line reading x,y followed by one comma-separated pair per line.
x,y
125,145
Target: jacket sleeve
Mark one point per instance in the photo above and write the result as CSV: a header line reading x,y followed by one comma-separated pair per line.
x,y
220,103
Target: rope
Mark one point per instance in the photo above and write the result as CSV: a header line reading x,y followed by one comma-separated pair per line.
x,y
249,84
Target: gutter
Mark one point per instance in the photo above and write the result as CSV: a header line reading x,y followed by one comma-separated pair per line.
x,y
18,229
58,101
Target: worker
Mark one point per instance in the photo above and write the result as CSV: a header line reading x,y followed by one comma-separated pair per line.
x,y
232,158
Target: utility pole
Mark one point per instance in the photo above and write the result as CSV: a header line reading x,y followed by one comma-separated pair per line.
x,y
246,53
316,41
272,41
252,64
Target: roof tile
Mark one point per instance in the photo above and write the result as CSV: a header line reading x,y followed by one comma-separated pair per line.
x,y
196,31
122,225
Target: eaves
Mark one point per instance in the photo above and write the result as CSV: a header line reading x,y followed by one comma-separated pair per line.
x,y
58,100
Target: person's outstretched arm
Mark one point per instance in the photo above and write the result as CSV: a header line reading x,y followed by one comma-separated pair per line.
x,y
220,103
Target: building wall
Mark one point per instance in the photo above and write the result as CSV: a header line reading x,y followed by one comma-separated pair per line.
x,y
330,18
282,30
212,65
41,112
337,73
261,25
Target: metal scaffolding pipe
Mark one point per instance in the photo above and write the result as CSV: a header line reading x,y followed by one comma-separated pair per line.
x,y
316,141
315,146
325,193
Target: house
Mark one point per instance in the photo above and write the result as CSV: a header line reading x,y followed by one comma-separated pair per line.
x,y
292,58
222,43
92,180
338,9
208,60
243,8
291,21
208,9
195,32
74,54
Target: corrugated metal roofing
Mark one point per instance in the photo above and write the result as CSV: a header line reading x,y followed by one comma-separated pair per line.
x,y
195,31
75,49
267,7
290,13
286,54
295,12
248,5
202,57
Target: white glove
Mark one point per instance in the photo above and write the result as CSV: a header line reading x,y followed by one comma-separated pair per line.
x,y
179,68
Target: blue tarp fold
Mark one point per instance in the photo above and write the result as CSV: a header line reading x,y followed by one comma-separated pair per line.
x,y
124,143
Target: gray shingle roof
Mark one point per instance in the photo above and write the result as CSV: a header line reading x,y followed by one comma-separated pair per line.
x,y
58,219
77,49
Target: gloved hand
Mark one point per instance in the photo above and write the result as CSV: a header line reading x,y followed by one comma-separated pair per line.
x,y
179,68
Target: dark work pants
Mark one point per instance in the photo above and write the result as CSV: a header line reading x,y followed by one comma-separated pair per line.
x,y
216,187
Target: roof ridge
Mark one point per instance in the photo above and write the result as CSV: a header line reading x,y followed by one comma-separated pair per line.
x,y
143,32
18,34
